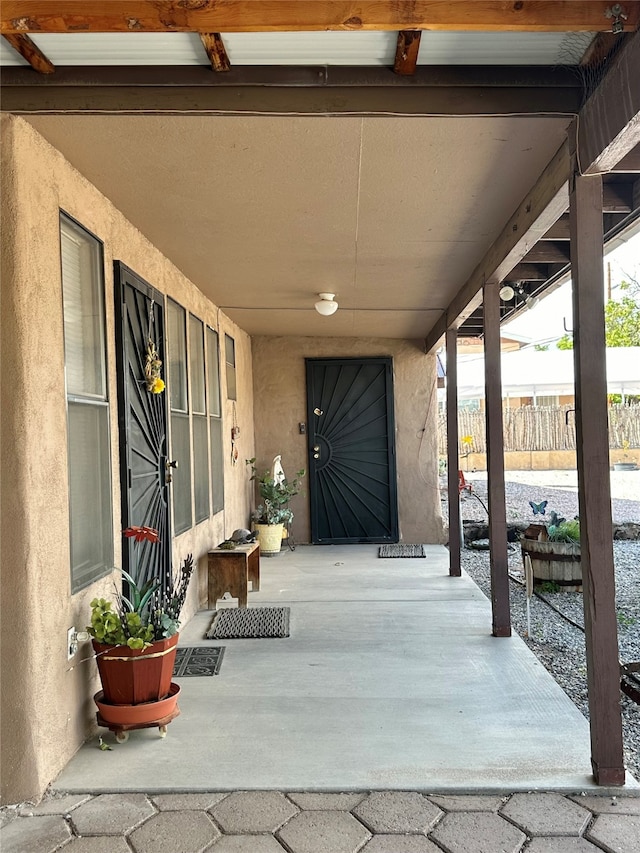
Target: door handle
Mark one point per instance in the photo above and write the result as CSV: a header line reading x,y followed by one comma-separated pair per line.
x,y
316,447
316,456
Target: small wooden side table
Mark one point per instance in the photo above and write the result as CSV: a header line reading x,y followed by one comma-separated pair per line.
x,y
229,571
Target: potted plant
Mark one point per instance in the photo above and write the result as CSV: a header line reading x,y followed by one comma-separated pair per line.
x,y
273,512
135,638
554,549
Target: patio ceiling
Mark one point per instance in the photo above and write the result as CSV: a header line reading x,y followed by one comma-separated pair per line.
x,y
310,166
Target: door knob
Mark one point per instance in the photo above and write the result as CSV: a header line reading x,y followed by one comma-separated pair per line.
x,y
171,464
316,456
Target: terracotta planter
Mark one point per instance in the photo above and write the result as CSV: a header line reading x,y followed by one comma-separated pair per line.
x,y
137,715
555,562
270,538
132,676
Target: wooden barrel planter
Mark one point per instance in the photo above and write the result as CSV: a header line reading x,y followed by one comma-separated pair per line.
x,y
555,562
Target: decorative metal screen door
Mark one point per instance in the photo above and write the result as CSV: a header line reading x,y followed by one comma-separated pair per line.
x,y
142,420
352,470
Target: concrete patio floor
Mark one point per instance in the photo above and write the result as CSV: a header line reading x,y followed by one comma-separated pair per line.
x,y
390,680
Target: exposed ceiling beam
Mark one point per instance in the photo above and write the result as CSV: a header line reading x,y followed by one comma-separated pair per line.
x,y
617,198
543,204
31,52
630,163
325,90
609,126
63,16
407,51
601,47
215,49
528,272
548,252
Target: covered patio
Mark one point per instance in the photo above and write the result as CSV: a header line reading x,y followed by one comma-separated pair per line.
x,y
234,189
389,679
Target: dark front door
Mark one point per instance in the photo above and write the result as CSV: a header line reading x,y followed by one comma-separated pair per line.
x,y
352,470
142,420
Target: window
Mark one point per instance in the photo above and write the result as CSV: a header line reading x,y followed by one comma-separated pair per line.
x,y
230,360
180,432
199,419
88,440
215,422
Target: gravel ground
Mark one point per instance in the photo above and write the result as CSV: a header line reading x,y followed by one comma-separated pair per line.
x,y
559,645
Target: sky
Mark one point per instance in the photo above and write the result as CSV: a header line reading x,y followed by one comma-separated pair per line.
x,y
547,320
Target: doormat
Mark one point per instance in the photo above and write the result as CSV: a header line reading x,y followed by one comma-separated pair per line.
x,y
401,551
241,623
198,660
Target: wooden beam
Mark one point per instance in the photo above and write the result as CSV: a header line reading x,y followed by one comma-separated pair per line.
x,y
215,49
453,460
559,230
617,198
528,272
63,16
498,555
543,204
594,489
609,126
601,47
310,90
31,52
548,252
630,163
407,51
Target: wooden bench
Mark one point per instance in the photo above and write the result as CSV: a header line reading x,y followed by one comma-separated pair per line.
x,y
229,571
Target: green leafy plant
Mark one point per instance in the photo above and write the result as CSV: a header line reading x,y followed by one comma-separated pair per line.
x,y
565,531
274,508
148,613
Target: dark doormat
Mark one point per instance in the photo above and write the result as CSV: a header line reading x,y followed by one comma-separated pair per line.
x,y
249,623
401,551
198,660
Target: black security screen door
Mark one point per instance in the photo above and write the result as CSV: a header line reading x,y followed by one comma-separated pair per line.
x,y
142,421
352,471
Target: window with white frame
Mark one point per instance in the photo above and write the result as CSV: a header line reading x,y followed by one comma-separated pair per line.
x,y
179,406
215,422
88,438
199,419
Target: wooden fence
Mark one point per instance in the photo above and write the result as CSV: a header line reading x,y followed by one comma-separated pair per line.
x,y
540,428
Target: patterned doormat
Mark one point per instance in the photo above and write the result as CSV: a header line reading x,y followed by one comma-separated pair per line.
x,y
198,660
401,551
240,623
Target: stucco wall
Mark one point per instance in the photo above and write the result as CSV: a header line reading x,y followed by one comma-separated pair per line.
x,y
280,405
46,705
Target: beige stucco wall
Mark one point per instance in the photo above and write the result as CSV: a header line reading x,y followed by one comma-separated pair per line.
x,y
280,405
46,705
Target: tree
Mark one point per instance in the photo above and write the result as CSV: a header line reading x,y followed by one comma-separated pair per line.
x,y
621,325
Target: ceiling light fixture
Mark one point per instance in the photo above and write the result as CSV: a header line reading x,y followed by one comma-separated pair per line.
x,y
507,293
327,304
529,300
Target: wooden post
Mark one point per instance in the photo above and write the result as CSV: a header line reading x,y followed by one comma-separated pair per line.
x,y
495,464
594,487
453,463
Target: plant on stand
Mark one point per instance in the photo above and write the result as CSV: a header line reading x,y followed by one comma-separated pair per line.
x,y
135,638
270,516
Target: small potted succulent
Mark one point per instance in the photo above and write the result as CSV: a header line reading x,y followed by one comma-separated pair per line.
x,y
135,638
273,512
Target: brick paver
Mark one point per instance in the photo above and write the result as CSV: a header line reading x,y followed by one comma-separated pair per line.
x,y
562,844
111,814
175,832
478,832
617,833
397,811
318,822
253,811
546,814
323,832
400,844
26,835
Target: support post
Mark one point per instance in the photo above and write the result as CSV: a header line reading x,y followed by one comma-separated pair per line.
x,y
501,613
594,487
453,490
